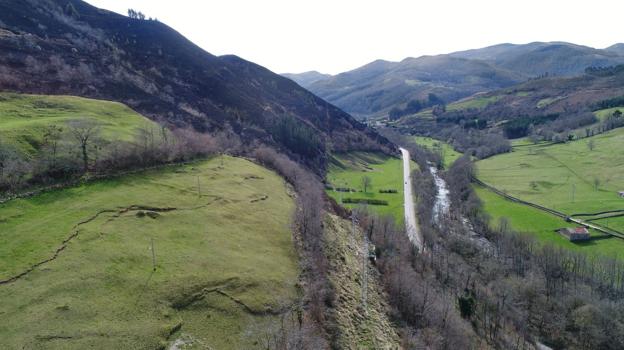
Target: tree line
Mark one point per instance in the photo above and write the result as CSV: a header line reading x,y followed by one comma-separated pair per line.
x,y
77,150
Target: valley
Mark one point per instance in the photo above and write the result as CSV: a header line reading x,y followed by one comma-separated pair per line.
x,y
154,195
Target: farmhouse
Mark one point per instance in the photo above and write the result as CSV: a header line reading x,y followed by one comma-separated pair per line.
x,y
575,234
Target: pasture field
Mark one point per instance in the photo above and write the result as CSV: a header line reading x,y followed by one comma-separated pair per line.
x,y
449,155
386,173
542,225
568,177
222,247
25,118
603,114
473,102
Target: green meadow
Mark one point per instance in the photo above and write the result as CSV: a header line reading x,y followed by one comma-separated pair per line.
x,y
542,225
385,172
568,177
603,114
224,260
25,118
449,154
473,102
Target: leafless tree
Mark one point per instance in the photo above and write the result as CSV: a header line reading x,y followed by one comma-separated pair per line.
x,y
366,183
84,133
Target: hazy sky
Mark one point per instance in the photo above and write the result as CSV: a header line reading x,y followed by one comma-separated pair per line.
x,y
332,36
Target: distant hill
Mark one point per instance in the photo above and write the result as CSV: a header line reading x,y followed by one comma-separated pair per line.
x,y
376,88
539,58
617,48
562,101
381,85
306,78
70,47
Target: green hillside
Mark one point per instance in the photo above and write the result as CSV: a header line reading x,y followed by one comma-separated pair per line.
x,y
386,173
25,118
225,260
449,155
568,177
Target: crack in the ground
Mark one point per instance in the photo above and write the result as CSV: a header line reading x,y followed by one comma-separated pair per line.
x,y
76,232
219,290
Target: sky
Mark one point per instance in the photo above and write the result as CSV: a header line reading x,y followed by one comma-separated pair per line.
x,y
332,36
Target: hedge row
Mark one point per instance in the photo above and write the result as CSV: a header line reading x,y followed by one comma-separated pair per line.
x,y
364,201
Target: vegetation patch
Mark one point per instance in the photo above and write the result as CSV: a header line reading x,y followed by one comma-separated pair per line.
x,y
178,252
474,103
364,201
354,170
28,119
448,154
581,176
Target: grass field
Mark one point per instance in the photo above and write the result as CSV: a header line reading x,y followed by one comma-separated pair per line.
x,y
542,225
603,114
26,117
474,102
568,177
449,155
225,260
386,173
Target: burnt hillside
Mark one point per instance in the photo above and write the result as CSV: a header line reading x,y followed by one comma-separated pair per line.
x,y
71,47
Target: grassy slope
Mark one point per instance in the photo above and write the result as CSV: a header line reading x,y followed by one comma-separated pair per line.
x,y
542,225
347,170
604,113
557,169
24,118
473,102
101,291
450,155
359,329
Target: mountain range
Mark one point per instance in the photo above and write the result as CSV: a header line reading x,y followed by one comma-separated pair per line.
x,y
376,88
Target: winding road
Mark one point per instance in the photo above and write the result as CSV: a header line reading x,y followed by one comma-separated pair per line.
x,y
411,227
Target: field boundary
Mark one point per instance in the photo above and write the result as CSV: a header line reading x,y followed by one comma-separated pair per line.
x,y
559,214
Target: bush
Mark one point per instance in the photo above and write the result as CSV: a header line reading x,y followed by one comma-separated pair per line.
x,y
364,201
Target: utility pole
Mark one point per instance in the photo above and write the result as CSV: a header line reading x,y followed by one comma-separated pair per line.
x,y
153,256
198,188
365,273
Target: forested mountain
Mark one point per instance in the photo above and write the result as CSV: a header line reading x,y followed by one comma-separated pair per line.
x,y
375,89
73,48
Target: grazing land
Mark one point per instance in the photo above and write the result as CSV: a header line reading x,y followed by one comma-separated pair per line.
x,y
449,155
569,177
473,103
25,118
222,247
581,176
347,170
542,225
603,114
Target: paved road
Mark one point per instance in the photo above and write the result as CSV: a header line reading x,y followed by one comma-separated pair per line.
x,y
410,214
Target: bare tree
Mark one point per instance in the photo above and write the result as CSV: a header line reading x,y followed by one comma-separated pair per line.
x,y
51,138
84,133
366,183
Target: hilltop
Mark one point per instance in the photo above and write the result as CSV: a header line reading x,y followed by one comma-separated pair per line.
x,y
70,47
306,78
